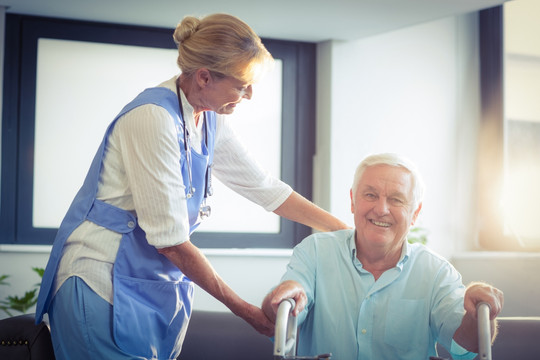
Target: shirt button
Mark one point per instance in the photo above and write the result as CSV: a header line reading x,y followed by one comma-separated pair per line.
x,y
364,331
131,224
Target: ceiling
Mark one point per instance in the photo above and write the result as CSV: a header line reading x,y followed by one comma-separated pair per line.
x,y
301,20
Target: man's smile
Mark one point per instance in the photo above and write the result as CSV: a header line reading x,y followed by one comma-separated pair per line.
x,y
380,223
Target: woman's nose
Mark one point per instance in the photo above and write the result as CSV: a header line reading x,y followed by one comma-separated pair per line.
x,y
248,92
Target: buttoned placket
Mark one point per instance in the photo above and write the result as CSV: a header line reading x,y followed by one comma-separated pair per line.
x,y
365,322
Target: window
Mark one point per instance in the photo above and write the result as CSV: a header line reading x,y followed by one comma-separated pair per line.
x,y
510,132
46,59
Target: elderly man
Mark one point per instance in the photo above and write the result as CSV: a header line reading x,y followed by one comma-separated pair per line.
x,y
366,293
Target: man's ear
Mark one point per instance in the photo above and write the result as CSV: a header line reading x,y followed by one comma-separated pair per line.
x,y
416,213
352,202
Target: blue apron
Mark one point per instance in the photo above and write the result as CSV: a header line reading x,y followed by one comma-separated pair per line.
x,y
152,297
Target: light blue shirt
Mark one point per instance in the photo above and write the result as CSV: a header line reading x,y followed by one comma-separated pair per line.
x,y
402,315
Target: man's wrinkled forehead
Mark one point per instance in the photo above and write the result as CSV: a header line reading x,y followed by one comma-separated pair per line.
x,y
388,178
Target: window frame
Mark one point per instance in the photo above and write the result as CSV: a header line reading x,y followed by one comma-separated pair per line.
x,y
491,153
18,117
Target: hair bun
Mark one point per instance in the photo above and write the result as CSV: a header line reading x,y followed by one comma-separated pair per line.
x,y
186,28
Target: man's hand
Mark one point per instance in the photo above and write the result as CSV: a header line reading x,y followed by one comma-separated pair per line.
x,y
286,290
467,333
477,293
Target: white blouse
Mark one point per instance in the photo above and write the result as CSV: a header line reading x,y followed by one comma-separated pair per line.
x,y
141,173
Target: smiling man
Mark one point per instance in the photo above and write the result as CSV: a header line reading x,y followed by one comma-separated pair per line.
x,y
366,293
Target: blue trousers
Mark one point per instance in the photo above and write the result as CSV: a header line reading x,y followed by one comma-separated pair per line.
x,y
81,324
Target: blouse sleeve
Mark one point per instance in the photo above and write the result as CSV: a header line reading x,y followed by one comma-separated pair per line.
x,y
151,157
238,170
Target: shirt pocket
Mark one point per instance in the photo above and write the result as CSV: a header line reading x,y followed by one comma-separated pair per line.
x,y
406,324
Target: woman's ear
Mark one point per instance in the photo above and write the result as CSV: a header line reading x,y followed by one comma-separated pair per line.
x,y
203,77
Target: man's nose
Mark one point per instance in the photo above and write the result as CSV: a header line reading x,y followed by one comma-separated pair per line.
x,y
381,206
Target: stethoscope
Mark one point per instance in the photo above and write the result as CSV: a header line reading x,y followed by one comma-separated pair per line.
x,y
204,210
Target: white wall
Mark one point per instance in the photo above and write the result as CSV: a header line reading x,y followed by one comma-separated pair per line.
x,y
392,92
516,274
18,265
413,91
404,92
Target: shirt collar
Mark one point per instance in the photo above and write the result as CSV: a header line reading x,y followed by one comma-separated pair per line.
x,y
189,120
352,245
405,250
188,111
405,254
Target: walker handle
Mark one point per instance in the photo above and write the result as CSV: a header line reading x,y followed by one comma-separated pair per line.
x,y
484,331
285,330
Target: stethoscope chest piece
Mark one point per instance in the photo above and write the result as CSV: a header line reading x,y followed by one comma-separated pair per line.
x,y
205,210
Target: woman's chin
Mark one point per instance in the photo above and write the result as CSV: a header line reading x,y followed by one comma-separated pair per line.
x,y
227,109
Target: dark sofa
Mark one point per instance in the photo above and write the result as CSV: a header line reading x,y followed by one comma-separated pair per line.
x,y
210,336
221,335
21,339
215,335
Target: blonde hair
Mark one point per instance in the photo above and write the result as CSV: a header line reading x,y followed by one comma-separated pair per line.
x,y
223,44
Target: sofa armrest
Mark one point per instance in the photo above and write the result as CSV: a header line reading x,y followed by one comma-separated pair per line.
x,y
518,338
21,338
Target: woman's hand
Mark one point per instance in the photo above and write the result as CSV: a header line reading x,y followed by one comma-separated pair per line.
x,y
191,261
257,319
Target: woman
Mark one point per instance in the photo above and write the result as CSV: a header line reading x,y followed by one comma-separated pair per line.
x,y
119,280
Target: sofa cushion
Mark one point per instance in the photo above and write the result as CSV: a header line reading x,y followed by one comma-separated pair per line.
x,y
222,335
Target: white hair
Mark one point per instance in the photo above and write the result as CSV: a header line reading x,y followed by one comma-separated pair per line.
x,y
396,160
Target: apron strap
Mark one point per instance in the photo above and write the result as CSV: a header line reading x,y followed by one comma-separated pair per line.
x,y
112,217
